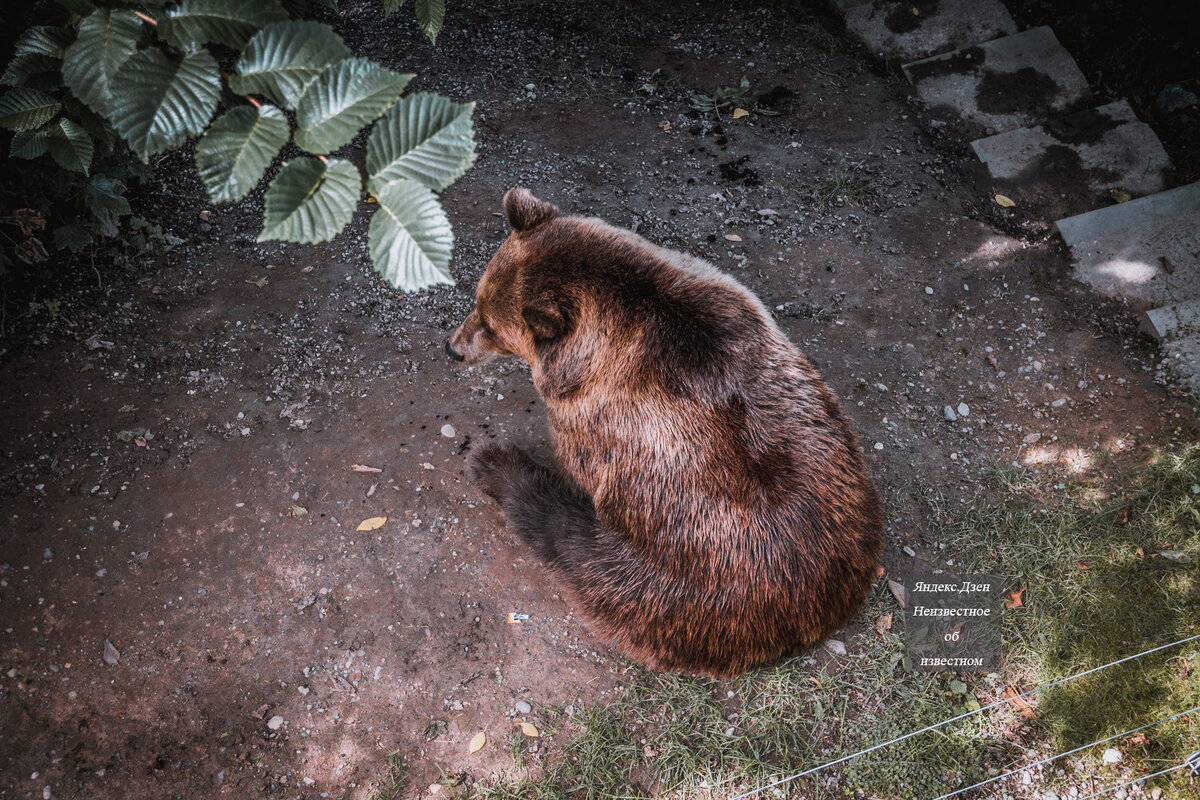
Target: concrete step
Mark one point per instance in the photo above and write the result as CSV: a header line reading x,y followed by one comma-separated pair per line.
x,y
1146,251
904,31
1173,320
1070,164
1180,363
1018,81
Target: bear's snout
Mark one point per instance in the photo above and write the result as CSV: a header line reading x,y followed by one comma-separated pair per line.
x,y
450,351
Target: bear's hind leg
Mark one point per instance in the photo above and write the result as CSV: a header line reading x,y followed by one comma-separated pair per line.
x,y
551,516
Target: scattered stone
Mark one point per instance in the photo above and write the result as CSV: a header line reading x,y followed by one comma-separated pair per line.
x,y
308,781
1111,756
1060,402
1174,97
948,413
448,431
838,648
908,551
47,554
928,290
112,656
1031,438
275,723
523,707
964,410
879,445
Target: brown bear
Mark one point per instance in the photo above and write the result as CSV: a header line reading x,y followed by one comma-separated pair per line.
x,y
710,510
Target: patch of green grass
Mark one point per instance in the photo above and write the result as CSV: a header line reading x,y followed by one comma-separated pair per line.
x,y
390,784
1100,588
680,737
846,185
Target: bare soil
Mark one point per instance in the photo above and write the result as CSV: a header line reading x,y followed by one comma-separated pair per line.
x,y
175,459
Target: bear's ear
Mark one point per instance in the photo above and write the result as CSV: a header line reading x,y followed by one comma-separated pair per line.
x,y
548,318
524,211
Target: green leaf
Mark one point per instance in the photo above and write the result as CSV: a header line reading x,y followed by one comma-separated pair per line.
x,y
410,237
30,144
106,40
309,201
391,6
43,40
430,14
425,137
344,99
105,198
238,148
34,70
159,101
70,146
227,22
72,237
284,57
26,109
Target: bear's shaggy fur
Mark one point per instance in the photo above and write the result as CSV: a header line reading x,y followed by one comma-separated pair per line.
x,y
710,510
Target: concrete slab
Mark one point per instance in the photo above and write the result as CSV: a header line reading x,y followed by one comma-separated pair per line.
x,y
1172,320
1008,83
1070,164
904,30
1146,251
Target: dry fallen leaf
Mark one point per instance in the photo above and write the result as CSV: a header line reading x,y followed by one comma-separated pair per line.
x,y
738,113
733,237
1119,195
1018,703
477,742
371,523
299,511
1014,599
884,623
880,571
530,730
260,283
898,592
1141,553
665,126
1082,566
1004,202
364,468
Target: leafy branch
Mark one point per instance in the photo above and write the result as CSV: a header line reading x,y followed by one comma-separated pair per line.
x,y
155,82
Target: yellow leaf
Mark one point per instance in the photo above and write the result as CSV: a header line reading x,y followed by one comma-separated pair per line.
x,y
477,742
1004,202
738,113
530,730
371,524
1119,195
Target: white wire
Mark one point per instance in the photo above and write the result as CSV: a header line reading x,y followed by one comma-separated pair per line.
x,y
943,723
1057,756
1130,783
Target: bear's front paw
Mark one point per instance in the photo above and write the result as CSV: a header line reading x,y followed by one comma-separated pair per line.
x,y
498,469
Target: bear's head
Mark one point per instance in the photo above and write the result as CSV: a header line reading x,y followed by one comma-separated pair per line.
x,y
521,308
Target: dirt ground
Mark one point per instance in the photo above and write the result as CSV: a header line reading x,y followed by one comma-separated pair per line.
x,y
175,459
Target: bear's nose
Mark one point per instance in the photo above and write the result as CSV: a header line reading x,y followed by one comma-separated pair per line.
x,y
450,352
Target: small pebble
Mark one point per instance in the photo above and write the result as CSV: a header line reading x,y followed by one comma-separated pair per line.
x,y
47,554
308,781
1060,402
928,290
836,647
949,414
275,723
879,445
448,431
908,551
964,410
45,793
523,707
1111,756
